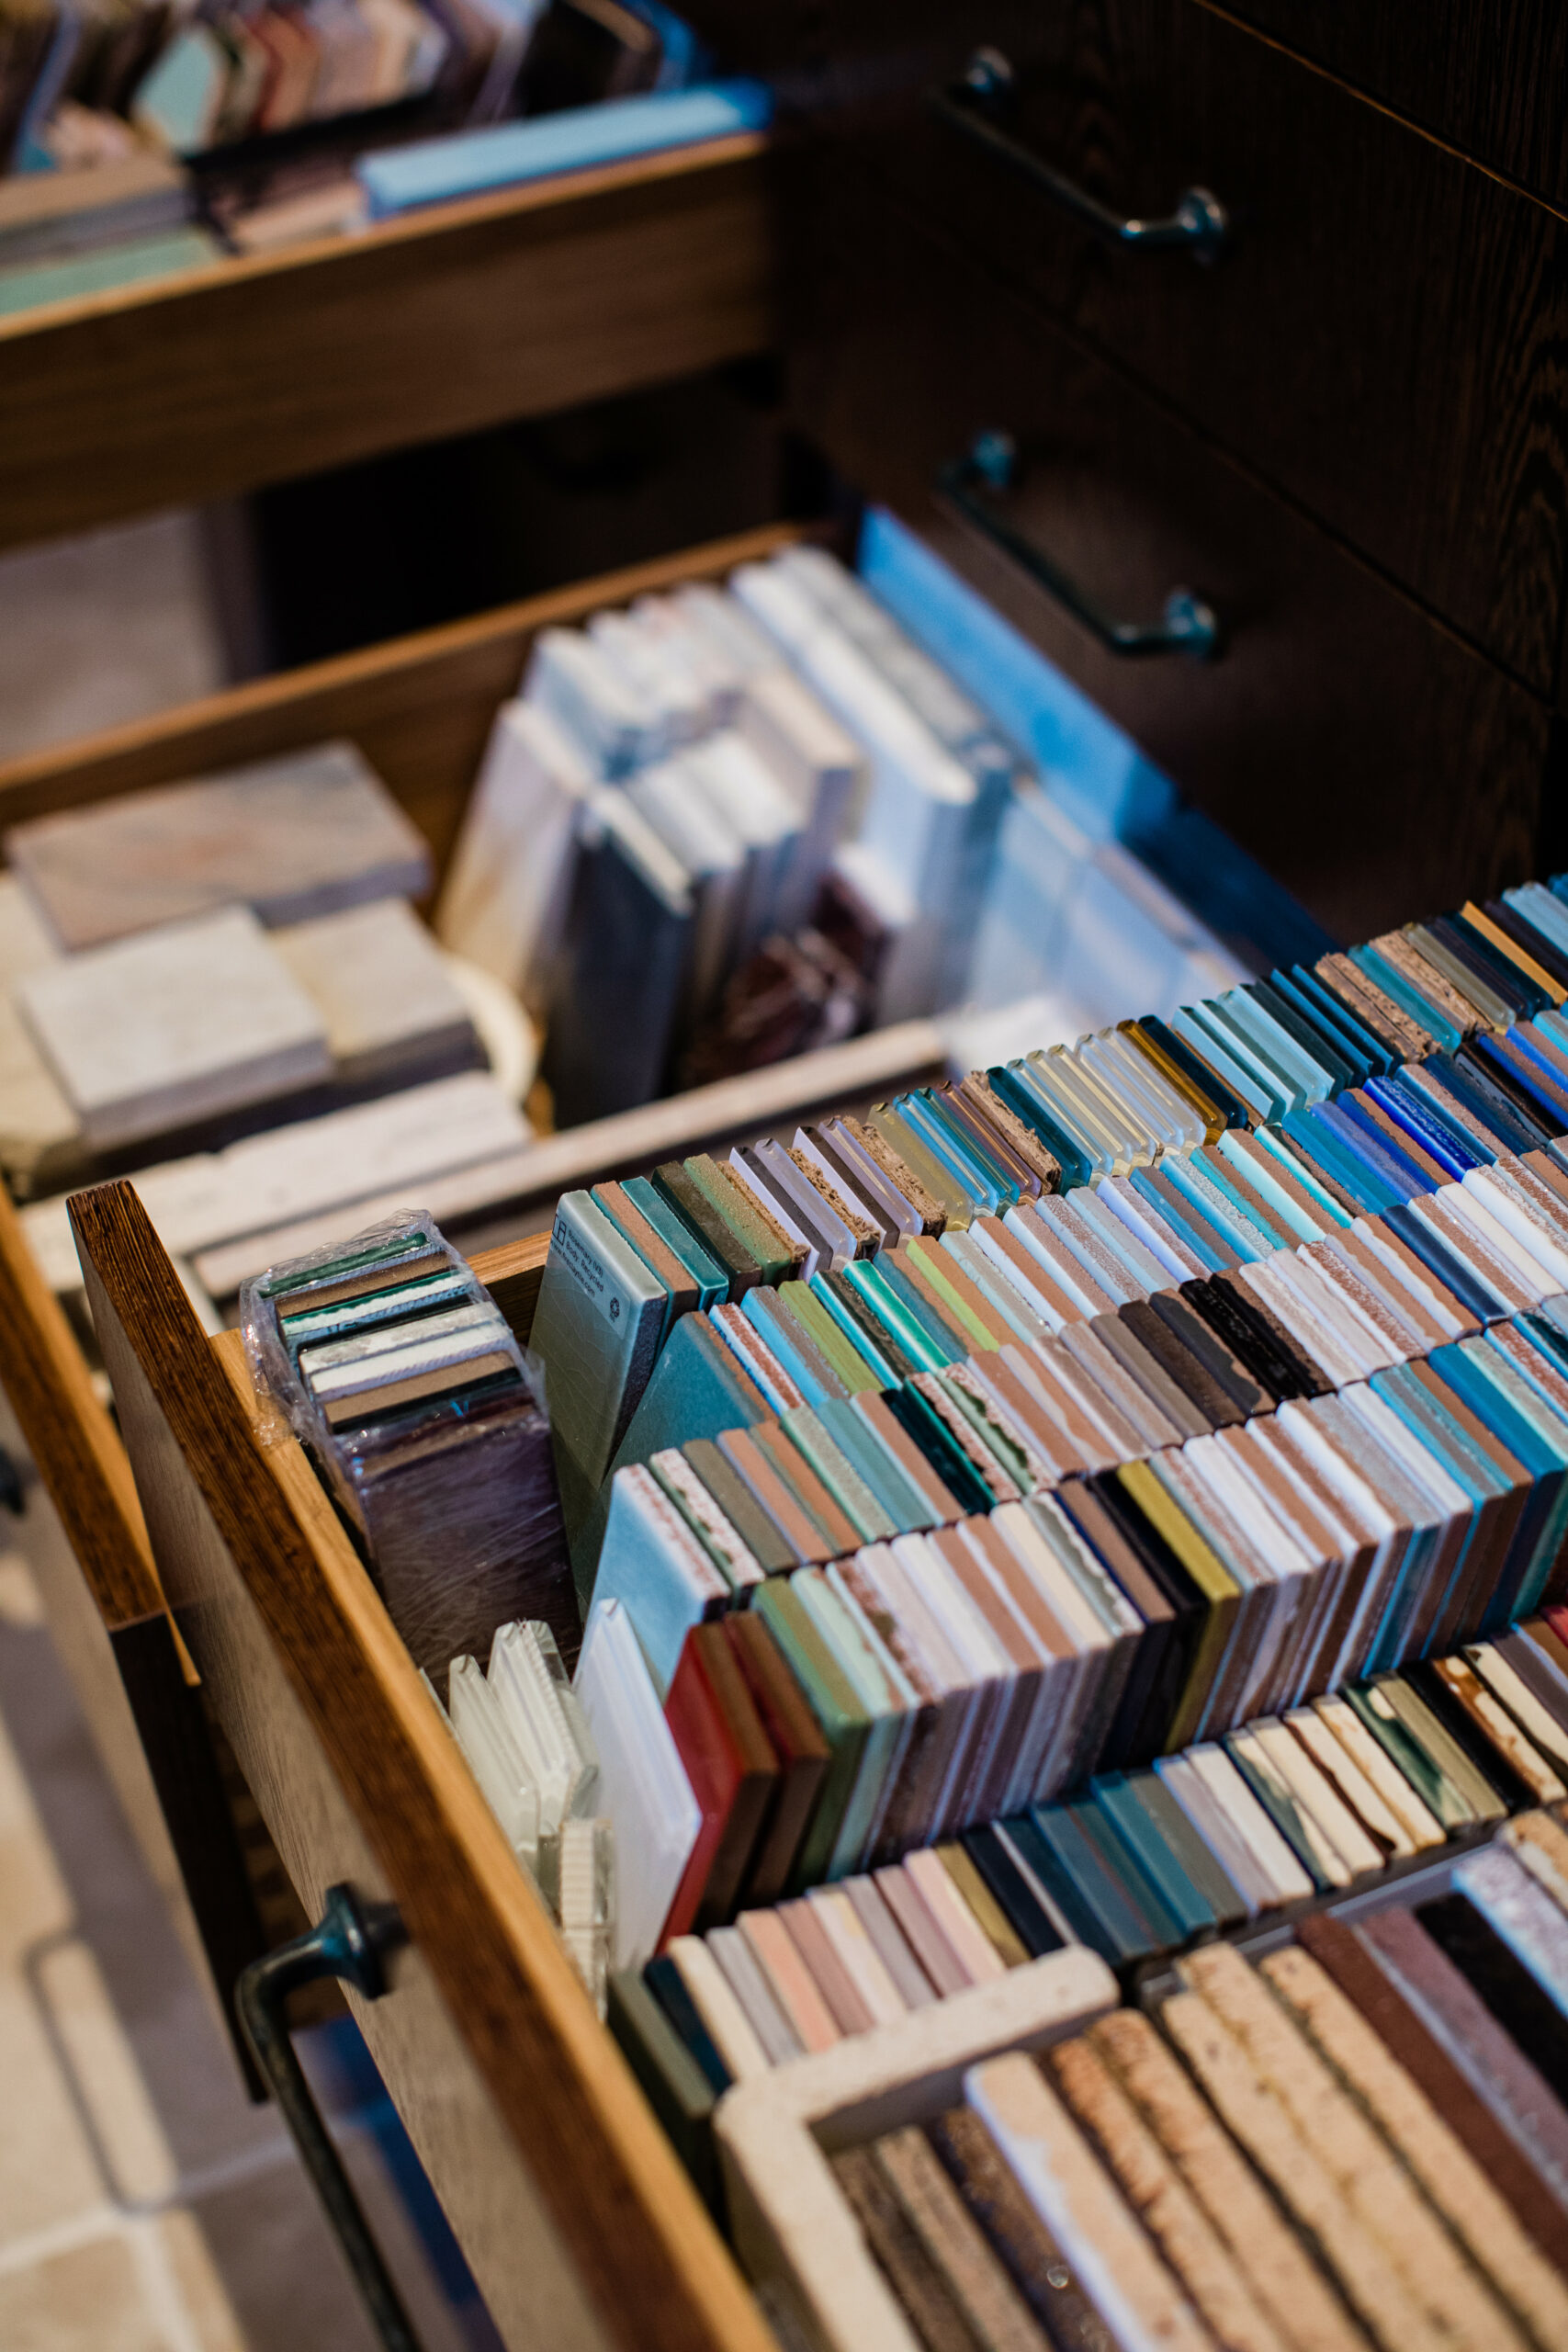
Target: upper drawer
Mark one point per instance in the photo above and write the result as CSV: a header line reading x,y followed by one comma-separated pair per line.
x,y
1369,759
1379,339
1492,80
257,370
1489,77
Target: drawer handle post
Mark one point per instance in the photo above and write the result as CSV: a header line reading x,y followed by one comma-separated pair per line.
x,y
1188,625
1200,224
351,1941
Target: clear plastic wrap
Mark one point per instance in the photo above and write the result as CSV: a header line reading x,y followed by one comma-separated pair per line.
x,y
394,1368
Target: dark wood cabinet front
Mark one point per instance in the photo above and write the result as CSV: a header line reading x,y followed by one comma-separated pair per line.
x,y
1375,762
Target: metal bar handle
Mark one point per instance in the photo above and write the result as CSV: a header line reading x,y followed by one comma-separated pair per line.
x,y
351,1941
1200,224
1188,626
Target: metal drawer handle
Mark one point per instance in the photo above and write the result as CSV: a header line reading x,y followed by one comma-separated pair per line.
x,y
350,1941
1189,626
1200,224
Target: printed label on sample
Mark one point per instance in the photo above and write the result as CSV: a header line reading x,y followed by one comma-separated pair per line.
x,y
588,1269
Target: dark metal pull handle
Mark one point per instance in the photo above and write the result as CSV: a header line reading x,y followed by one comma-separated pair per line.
x,y
351,1941
974,103
1189,625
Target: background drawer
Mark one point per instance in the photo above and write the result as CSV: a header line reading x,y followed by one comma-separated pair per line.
x,y
1369,759
1379,342
1492,79
464,315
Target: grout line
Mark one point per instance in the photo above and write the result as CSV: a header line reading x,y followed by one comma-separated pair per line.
x,y
224,2172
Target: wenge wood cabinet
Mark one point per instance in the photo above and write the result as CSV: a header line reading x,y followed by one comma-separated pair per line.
x,y
1382,338
1316,736
1348,428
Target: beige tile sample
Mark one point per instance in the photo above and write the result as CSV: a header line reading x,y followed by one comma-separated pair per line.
x,y
172,1026
1283,2277
1376,2187
1253,2113
505,901
292,838
36,1121
1483,2221
268,1185
1162,2200
381,987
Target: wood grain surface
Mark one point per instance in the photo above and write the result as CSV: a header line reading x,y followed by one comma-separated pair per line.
x,y
1374,762
420,707
72,1438
645,2247
1490,80
1383,341
260,370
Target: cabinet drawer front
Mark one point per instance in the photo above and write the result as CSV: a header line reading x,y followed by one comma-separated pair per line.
x,y
1490,80
1488,77
1382,341
1374,764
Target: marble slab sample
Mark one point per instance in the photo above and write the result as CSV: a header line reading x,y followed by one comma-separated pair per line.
x,y
336,1166
291,837
384,992
174,1025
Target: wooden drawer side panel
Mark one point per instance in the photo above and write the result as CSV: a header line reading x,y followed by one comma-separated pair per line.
x,y
647,2252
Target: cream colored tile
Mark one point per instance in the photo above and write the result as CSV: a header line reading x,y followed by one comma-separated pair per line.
x,y
90,2297
33,1900
194,2281
108,2078
47,2172
22,1603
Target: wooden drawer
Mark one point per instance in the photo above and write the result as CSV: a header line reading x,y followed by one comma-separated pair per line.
x,y
259,369
421,710
1492,81
571,2206
1379,340
1369,759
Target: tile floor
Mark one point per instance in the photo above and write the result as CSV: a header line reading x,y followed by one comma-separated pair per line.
x,y
145,2205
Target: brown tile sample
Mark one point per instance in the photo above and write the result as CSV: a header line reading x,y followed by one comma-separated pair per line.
x,y
1015,2231
953,2240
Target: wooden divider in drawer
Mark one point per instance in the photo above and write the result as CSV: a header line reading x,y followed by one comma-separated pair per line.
x,y
1381,337
263,368
1373,762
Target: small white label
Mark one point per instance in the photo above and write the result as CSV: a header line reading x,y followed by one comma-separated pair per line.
x,y
586,1269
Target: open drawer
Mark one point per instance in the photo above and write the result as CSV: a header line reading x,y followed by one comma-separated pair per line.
x,y
575,2216
421,708
260,370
